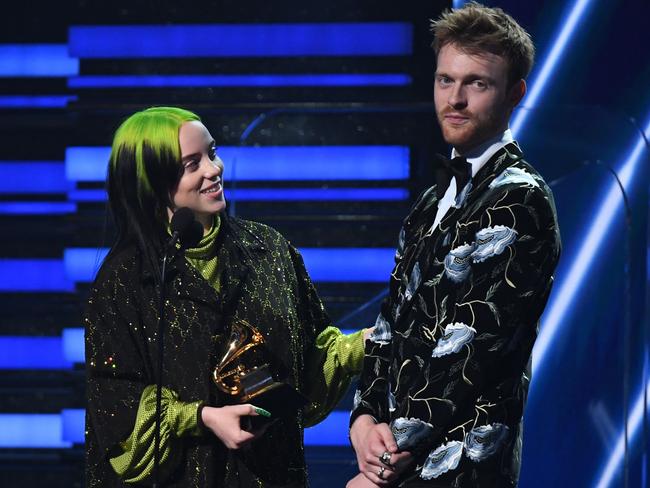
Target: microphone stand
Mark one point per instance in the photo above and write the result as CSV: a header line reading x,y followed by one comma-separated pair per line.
x,y
161,349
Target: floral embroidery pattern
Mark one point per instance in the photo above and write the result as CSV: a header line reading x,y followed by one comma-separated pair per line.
x,y
513,176
455,337
484,441
381,334
410,432
492,241
443,459
457,263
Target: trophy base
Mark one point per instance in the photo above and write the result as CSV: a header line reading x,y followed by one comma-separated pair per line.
x,y
281,399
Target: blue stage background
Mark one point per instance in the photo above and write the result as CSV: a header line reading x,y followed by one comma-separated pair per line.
x,y
324,119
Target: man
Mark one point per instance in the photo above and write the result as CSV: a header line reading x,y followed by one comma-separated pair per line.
x,y
445,377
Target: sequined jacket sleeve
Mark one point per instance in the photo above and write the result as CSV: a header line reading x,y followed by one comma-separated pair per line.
x,y
332,359
115,361
121,403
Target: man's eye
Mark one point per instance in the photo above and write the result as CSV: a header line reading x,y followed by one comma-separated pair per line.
x,y
480,84
443,80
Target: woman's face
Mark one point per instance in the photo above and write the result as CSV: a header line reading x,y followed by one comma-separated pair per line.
x,y
201,185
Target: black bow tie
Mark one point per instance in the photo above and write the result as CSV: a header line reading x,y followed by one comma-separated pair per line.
x,y
448,168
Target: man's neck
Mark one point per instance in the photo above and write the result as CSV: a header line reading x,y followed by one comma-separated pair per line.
x,y
480,155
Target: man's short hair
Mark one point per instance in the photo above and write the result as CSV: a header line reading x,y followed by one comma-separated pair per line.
x,y
477,29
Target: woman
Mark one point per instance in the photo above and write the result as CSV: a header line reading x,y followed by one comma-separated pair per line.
x,y
162,159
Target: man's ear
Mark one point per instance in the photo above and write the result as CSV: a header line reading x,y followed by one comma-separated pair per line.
x,y
516,93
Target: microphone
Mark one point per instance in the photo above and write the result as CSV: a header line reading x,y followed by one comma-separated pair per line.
x,y
185,229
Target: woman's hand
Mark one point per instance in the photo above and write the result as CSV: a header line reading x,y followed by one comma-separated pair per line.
x,y
370,441
225,422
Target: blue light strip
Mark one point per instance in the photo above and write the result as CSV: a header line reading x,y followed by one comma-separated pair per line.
x,y
87,163
34,275
635,419
32,353
323,264
33,177
35,101
24,352
242,40
333,431
37,208
562,298
42,60
67,428
85,195
73,425
32,431
27,352
81,264
264,81
73,345
274,163
551,62
349,264
317,194
281,194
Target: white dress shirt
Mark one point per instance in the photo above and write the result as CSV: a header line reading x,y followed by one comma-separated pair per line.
x,y
477,158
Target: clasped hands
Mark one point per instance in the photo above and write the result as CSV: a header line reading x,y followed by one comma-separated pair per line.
x,y
380,462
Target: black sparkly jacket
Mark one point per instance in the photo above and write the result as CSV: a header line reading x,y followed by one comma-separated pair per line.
x,y
447,365
263,280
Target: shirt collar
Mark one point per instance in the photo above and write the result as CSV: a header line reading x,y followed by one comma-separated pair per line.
x,y
481,155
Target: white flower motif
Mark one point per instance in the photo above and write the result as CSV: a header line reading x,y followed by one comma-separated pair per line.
x,y
455,337
381,334
492,241
409,433
514,175
482,442
392,403
443,459
414,282
457,262
357,399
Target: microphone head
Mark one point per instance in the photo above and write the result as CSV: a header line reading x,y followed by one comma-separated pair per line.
x,y
182,219
189,230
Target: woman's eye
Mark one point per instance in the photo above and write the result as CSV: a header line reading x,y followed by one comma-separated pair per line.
x,y
191,165
212,153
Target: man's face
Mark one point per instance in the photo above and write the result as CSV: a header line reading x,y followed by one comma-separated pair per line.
x,y
472,97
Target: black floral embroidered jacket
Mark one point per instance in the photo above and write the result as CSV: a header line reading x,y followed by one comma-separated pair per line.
x,y
447,365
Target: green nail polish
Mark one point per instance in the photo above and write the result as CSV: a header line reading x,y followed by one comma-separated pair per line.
x,y
262,412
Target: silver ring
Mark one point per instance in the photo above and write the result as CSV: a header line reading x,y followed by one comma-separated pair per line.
x,y
380,473
385,458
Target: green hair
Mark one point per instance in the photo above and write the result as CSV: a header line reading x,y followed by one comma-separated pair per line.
x,y
144,167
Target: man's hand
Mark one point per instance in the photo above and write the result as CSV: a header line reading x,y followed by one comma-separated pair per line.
x,y
225,422
370,441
